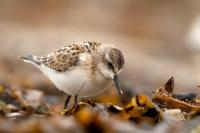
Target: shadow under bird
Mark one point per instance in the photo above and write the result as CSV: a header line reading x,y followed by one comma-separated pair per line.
x,y
81,69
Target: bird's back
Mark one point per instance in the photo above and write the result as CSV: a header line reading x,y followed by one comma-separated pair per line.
x,y
65,58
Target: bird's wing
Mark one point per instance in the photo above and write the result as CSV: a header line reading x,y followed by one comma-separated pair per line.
x,y
67,57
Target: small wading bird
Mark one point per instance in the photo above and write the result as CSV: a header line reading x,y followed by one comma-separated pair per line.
x,y
81,69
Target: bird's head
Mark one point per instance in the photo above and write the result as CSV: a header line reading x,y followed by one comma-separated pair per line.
x,y
112,63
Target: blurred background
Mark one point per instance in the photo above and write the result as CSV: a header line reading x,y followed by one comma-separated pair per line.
x,y
158,38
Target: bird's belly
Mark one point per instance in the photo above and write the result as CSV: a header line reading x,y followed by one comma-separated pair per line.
x,y
77,82
70,82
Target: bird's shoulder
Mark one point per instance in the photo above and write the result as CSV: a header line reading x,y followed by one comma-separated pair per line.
x,y
67,57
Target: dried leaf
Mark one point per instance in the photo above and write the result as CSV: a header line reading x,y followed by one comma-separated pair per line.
x,y
169,86
160,97
142,108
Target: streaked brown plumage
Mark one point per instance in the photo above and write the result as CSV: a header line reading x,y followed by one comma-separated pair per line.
x,y
66,57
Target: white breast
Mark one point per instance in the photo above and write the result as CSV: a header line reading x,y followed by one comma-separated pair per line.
x,y
77,81
69,82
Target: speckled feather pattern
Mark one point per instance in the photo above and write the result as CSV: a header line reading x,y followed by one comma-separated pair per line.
x,y
67,57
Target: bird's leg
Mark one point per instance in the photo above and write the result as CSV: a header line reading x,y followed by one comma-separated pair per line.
x,y
67,101
75,101
76,96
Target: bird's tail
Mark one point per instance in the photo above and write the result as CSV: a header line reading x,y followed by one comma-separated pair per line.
x,y
30,58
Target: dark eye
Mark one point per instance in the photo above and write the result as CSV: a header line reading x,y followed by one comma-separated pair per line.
x,y
110,66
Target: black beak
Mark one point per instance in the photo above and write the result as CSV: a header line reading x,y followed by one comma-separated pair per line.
x,y
117,84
